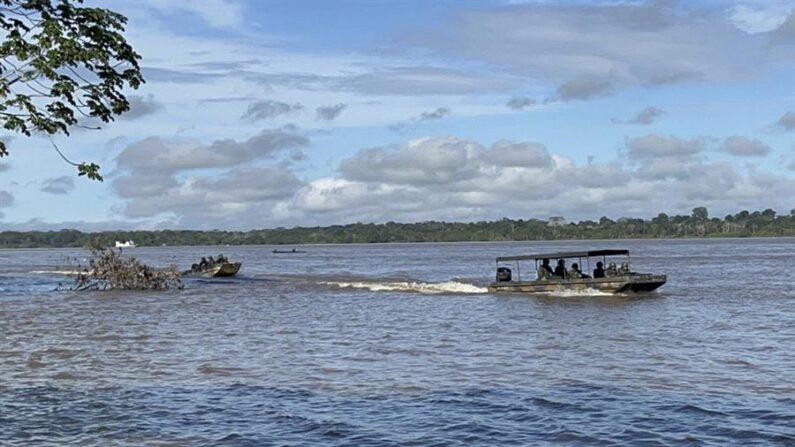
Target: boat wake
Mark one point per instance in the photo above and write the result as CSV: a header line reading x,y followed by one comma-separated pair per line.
x,y
434,288
56,272
577,293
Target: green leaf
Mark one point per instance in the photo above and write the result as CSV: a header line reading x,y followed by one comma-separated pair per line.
x,y
90,170
59,61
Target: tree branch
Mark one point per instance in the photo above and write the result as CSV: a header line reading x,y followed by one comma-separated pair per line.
x,y
55,146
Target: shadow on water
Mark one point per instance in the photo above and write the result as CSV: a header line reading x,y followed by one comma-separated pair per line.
x,y
238,279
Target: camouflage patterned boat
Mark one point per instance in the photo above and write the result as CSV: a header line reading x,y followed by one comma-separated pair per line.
x,y
217,270
609,280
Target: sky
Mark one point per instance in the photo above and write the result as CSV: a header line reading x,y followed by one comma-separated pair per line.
x,y
264,114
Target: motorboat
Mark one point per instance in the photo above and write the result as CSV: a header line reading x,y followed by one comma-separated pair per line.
x,y
213,270
611,279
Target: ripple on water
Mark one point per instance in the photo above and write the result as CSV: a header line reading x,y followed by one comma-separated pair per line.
x,y
496,416
401,345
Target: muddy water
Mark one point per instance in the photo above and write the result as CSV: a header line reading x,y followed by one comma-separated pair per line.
x,y
402,345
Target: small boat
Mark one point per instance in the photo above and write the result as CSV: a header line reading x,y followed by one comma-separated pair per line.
x,y
614,280
217,270
125,244
277,251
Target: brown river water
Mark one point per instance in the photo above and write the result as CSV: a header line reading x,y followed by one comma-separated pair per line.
x,y
401,344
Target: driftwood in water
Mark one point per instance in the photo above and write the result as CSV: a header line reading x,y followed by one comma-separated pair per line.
x,y
108,270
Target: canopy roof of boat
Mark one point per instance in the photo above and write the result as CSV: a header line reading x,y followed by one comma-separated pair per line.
x,y
563,255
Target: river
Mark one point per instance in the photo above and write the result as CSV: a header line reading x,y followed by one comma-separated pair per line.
x,y
401,344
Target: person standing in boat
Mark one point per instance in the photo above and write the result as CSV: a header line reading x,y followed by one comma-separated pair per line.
x,y
544,270
560,270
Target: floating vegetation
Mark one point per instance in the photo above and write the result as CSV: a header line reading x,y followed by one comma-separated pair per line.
x,y
108,270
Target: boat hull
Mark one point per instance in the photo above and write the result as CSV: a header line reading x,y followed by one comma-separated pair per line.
x,y
216,271
634,283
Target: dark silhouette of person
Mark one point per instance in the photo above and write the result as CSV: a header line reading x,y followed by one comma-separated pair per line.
x,y
545,271
599,271
560,270
203,262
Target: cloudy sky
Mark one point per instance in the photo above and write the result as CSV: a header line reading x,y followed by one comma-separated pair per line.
x,y
260,114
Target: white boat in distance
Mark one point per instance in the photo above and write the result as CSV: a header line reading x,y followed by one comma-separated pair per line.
x,y
125,244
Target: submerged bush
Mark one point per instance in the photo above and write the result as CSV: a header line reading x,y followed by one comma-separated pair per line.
x,y
108,270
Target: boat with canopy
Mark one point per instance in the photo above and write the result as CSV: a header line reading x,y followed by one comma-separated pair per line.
x,y
608,279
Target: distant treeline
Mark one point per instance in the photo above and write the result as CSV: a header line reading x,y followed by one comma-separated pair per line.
x,y
743,224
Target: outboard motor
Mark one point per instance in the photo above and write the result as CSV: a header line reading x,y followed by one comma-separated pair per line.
x,y
503,274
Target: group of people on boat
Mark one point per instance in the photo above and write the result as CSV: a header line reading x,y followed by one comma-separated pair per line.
x,y
209,262
545,271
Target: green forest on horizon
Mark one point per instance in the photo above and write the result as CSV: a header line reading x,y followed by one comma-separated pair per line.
x,y
698,224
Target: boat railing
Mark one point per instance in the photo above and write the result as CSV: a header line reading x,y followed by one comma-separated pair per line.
x,y
587,255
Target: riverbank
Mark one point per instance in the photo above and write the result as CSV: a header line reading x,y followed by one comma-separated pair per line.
x,y
698,225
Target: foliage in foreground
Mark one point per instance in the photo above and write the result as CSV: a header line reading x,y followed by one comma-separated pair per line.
x,y
63,65
108,270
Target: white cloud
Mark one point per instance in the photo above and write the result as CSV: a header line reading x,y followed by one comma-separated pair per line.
x,y
420,80
659,146
6,199
787,121
421,161
745,147
330,112
520,102
153,155
428,115
585,87
58,185
446,178
758,17
268,108
591,49
238,198
217,13
437,114
509,154
141,106
646,116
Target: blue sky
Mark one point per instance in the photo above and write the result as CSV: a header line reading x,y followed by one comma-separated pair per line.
x,y
281,113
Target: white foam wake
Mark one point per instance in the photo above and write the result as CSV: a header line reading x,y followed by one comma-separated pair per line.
x,y
56,272
410,286
581,292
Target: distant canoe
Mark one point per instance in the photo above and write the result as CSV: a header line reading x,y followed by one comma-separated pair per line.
x,y
288,251
216,270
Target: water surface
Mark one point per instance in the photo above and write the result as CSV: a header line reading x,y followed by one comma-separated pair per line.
x,y
400,344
